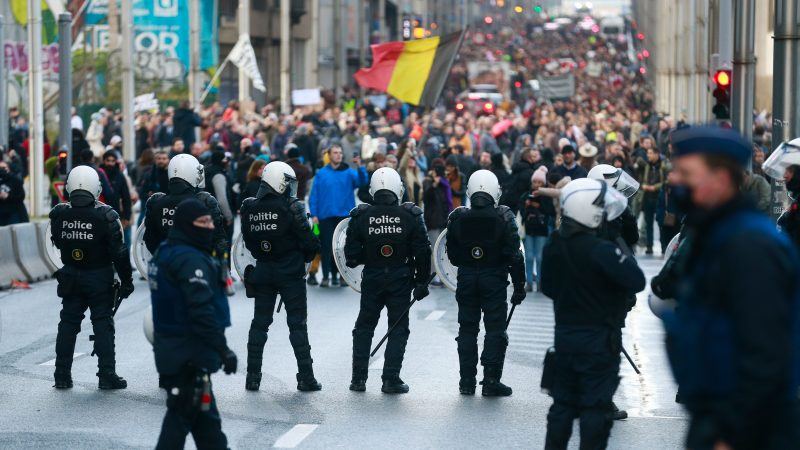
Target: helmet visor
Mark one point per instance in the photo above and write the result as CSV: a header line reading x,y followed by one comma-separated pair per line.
x,y
615,204
623,182
782,158
291,185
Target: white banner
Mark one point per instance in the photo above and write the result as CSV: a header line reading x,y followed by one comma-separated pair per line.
x,y
306,97
244,57
557,87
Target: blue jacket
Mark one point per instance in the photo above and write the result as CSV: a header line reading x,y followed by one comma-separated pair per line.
x,y
332,192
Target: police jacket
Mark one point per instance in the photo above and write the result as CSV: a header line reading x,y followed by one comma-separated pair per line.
x,y
623,227
160,209
388,235
89,235
276,230
589,279
485,236
733,341
190,308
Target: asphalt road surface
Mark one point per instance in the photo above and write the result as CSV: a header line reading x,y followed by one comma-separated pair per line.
x,y
432,415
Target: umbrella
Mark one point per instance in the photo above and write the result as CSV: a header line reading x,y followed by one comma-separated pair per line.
x,y
501,127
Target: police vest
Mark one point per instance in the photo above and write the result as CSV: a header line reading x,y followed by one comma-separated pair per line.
x,y
163,209
170,308
387,231
479,235
702,342
267,227
81,234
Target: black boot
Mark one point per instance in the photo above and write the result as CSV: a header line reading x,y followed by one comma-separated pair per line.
x,y
63,379
392,384
110,380
306,381
618,414
467,386
492,387
359,381
253,381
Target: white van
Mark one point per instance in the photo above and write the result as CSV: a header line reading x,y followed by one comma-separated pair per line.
x,y
612,26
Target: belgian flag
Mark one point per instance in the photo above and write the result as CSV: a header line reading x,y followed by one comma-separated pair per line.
x,y
412,71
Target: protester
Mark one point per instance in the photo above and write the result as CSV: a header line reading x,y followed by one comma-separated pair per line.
x,y
12,197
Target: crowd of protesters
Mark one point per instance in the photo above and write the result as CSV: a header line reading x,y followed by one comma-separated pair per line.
x,y
534,145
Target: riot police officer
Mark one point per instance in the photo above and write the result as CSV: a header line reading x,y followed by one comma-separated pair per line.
x,y
190,314
589,280
483,242
784,163
622,231
733,340
277,232
186,179
391,241
89,236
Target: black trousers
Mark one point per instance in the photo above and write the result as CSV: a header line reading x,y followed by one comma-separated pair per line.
x,y
293,293
390,288
81,290
182,418
326,228
481,290
583,387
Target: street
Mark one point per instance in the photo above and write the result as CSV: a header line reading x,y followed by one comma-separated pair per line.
x,y
432,415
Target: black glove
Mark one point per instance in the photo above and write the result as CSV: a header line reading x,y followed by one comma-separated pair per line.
x,y
421,291
126,289
519,294
229,362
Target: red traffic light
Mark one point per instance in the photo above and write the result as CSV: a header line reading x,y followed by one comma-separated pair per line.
x,y
517,84
640,36
459,106
722,78
488,20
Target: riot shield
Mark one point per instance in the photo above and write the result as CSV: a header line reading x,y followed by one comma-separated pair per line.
x,y
53,253
147,324
658,305
241,256
141,255
351,276
448,273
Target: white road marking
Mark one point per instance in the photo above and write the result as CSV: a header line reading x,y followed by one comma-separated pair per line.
x,y
435,315
52,362
295,436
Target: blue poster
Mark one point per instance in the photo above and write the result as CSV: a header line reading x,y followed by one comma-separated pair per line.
x,y
161,30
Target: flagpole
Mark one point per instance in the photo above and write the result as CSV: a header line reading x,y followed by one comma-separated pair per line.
x,y
216,76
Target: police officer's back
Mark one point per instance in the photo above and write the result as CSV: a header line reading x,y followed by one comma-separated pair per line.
x,y
784,162
589,280
89,235
391,241
186,177
733,341
190,314
483,242
277,233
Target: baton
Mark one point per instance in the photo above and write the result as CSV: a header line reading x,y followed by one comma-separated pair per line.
x,y
511,313
117,302
630,360
377,347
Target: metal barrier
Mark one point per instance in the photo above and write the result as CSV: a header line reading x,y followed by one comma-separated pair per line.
x,y
28,252
9,267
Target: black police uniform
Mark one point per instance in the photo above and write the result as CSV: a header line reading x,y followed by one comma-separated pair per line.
x,y
483,242
589,280
160,214
276,231
89,236
190,314
391,241
789,221
733,341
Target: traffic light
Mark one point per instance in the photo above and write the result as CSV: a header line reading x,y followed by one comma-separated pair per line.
x,y
537,9
722,95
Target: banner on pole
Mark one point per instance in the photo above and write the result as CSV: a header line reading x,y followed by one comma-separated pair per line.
x,y
244,57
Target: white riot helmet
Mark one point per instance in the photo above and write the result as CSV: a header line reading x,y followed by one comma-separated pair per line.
x,y
589,202
486,182
84,178
280,177
785,156
386,179
616,178
187,168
